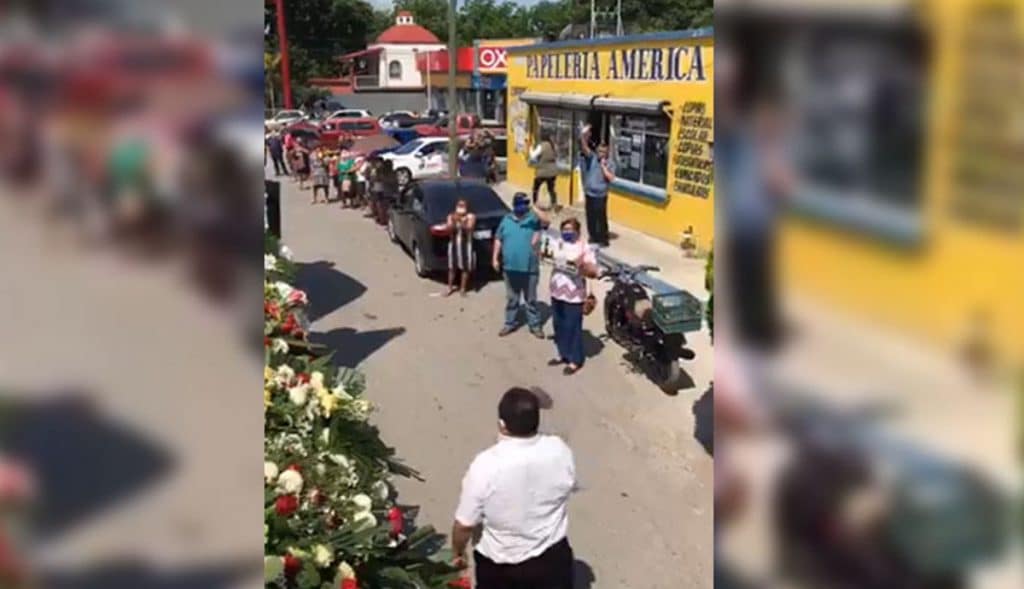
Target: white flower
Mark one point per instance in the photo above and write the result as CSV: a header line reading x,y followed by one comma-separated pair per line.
x,y
322,555
364,520
283,289
316,380
381,491
299,394
325,436
270,471
286,253
345,571
269,262
320,469
361,409
362,502
340,460
273,568
289,482
285,374
279,346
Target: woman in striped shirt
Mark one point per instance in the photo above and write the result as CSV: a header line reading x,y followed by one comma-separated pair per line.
x,y
461,257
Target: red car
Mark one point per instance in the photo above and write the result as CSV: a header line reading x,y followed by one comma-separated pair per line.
x,y
334,130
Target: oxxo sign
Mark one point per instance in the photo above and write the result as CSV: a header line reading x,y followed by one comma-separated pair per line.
x,y
660,64
493,58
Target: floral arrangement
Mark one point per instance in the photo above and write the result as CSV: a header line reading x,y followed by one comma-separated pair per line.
x,y
17,491
330,518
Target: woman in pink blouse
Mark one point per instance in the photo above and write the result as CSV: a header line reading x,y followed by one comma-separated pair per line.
x,y
574,262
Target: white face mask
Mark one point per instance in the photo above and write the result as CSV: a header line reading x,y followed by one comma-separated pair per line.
x,y
461,210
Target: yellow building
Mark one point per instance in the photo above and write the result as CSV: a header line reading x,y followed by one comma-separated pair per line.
x,y
912,213
649,97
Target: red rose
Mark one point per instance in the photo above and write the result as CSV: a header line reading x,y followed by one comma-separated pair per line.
x,y
292,565
290,324
349,584
395,517
460,583
266,341
303,378
294,466
286,505
271,309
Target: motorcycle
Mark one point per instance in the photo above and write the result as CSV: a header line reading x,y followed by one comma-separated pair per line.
x,y
855,508
652,328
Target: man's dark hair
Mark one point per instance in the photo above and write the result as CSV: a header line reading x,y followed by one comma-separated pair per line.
x,y
520,410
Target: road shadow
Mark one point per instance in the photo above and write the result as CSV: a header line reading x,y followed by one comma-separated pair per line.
x,y
132,574
327,288
583,576
592,345
351,347
544,310
85,463
704,420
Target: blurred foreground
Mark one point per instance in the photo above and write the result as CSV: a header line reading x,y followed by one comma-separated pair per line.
x,y
129,238
870,278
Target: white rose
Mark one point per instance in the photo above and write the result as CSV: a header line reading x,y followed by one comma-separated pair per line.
x,y
289,482
269,262
320,469
286,253
273,568
364,520
381,491
283,289
362,502
322,555
270,471
279,346
345,571
299,394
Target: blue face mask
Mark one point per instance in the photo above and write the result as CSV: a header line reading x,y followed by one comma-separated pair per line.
x,y
569,236
521,210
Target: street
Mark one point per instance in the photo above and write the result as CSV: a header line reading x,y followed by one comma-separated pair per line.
x,y
435,369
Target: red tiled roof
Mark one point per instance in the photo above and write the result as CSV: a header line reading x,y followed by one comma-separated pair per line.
x,y
408,34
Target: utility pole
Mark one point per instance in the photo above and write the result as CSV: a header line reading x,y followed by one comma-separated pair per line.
x,y
282,42
453,107
593,16
618,19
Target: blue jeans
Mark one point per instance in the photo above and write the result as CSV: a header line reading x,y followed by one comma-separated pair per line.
x,y
567,319
521,285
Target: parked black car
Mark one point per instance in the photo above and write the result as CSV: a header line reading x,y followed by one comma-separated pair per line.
x,y
417,221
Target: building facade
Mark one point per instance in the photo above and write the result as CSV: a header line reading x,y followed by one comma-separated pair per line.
x,y
650,98
390,62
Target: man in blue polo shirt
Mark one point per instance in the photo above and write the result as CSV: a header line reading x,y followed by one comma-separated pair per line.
x,y
516,245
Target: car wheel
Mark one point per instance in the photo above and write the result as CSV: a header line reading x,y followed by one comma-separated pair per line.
x,y
403,175
417,260
391,230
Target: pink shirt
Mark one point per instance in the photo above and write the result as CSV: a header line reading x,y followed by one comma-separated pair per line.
x,y
567,282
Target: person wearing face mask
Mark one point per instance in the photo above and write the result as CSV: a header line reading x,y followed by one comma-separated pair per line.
x,y
574,262
516,245
461,257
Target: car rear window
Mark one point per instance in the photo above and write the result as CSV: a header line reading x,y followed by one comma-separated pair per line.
x,y
440,200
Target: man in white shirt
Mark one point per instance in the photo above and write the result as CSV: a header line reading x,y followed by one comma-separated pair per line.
x,y
517,491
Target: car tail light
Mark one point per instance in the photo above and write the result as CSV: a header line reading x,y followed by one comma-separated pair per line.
x,y
440,230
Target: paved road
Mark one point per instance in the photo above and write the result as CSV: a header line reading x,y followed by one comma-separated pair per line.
x,y
436,368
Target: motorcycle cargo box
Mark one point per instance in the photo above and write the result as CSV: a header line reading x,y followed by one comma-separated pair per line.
x,y
677,311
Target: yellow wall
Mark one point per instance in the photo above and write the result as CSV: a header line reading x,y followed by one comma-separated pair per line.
x,y
680,211
958,271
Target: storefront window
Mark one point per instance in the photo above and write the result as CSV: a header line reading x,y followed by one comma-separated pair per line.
x,y
639,147
557,124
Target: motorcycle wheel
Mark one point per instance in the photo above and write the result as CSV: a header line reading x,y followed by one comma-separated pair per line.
x,y
668,376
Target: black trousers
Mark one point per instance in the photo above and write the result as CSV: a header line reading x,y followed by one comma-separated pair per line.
x,y
538,182
597,219
750,267
279,167
552,569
